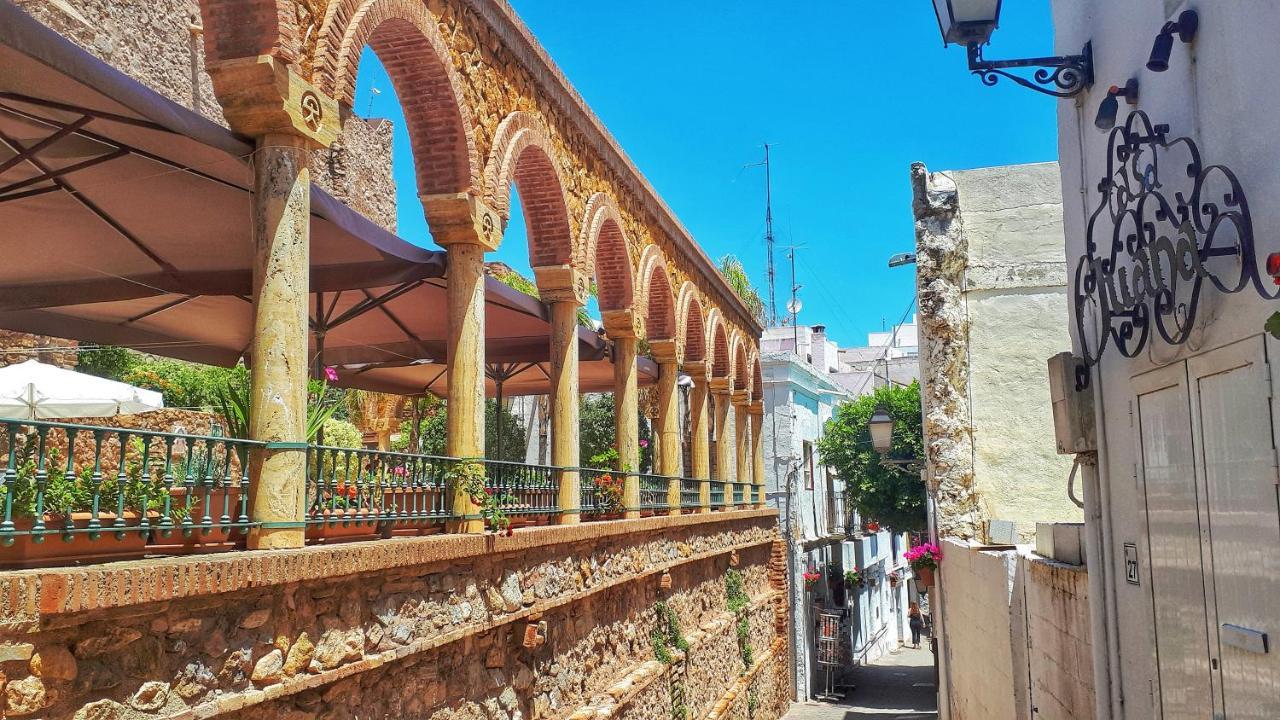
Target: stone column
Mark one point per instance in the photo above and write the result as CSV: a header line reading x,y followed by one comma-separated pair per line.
x,y
626,420
720,389
565,289
756,410
668,428
262,98
466,228
699,452
742,447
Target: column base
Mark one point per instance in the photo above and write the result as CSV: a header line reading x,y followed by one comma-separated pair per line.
x,y
276,538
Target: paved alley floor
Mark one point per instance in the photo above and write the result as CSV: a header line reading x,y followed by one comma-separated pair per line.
x,y
898,686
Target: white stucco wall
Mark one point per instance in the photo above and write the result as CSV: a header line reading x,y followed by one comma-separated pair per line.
x,y
1018,636
1220,92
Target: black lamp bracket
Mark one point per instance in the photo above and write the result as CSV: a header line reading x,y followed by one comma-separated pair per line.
x,y
1059,76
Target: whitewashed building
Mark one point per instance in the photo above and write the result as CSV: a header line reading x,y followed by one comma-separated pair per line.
x,y
1171,209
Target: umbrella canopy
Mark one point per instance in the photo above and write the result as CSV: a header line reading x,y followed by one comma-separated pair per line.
x,y
35,391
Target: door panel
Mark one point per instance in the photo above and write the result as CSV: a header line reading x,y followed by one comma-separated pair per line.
x,y
1235,440
1168,472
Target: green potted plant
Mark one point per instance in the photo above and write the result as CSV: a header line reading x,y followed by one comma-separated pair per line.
x,y
468,476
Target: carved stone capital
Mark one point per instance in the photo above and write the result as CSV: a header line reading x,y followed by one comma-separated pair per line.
x,y
756,408
740,398
462,219
721,386
624,323
263,96
562,283
665,351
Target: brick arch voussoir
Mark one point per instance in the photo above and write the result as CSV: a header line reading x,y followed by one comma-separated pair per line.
x,y
691,326
523,154
601,252
718,343
408,43
738,356
757,381
658,300
236,29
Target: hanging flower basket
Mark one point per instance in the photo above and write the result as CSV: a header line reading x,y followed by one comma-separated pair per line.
x,y
811,578
873,526
924,560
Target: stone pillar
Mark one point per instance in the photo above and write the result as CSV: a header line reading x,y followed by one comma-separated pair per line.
x,y
756,410
467,229
262,98
626,421
699,455
742,448
720,389
565,289
668,427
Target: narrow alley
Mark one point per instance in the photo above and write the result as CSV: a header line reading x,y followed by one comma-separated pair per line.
x,y
898,686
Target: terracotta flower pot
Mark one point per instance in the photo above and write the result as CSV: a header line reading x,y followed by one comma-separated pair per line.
x,y
54,549
179,540
925,576
334,526
412,500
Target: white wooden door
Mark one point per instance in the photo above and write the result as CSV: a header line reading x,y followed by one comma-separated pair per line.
x,y
1231,412
1167,472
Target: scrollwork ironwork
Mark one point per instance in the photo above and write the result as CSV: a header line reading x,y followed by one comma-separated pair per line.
x,y
1061,77
1152,242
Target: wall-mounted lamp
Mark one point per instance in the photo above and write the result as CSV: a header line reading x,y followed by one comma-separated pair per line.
x,y
1185,26
1110,106
970,23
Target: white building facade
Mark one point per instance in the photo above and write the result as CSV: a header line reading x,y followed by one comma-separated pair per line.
x,y
1170,218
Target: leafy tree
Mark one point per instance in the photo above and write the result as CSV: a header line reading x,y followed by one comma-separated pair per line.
x,y
734,272
894,496
108,361
433,429
597,435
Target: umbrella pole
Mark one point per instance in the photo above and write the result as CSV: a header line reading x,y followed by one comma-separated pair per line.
x,y
498,418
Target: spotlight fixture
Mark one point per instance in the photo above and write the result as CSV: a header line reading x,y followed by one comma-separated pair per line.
x,y
1185,26
1110,106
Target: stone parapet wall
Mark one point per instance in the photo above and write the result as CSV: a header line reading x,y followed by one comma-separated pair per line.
x,y
439,621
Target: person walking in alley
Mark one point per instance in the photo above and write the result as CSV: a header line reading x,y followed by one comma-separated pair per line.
x,y
916,621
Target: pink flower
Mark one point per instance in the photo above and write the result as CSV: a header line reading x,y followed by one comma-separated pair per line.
x,y
331,374
400,471
644,443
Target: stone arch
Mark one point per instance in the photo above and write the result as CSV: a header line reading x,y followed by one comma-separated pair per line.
x,y
741,371
718,341
523,154
691,330
757,378
602,252
407,41
657,299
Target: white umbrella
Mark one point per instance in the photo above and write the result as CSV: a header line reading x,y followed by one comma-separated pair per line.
x,y
35,391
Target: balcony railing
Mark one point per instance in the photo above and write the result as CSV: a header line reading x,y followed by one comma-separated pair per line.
x,y
126,491
653,492
690,493
113,493
717,494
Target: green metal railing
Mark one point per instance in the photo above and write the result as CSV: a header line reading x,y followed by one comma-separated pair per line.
x,y
89,481
653,491
690,493
160,492
357,488
717,494
523,489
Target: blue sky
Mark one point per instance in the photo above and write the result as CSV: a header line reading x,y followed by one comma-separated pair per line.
x,y
847,93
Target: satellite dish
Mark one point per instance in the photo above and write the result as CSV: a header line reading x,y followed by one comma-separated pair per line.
x,y
794,306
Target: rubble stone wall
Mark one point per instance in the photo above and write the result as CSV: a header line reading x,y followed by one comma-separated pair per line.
x,y
403,628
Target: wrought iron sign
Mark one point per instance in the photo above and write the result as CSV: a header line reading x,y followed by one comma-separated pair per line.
x,y
1154,241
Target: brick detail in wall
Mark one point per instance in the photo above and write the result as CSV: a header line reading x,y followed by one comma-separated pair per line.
x,y
247,28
